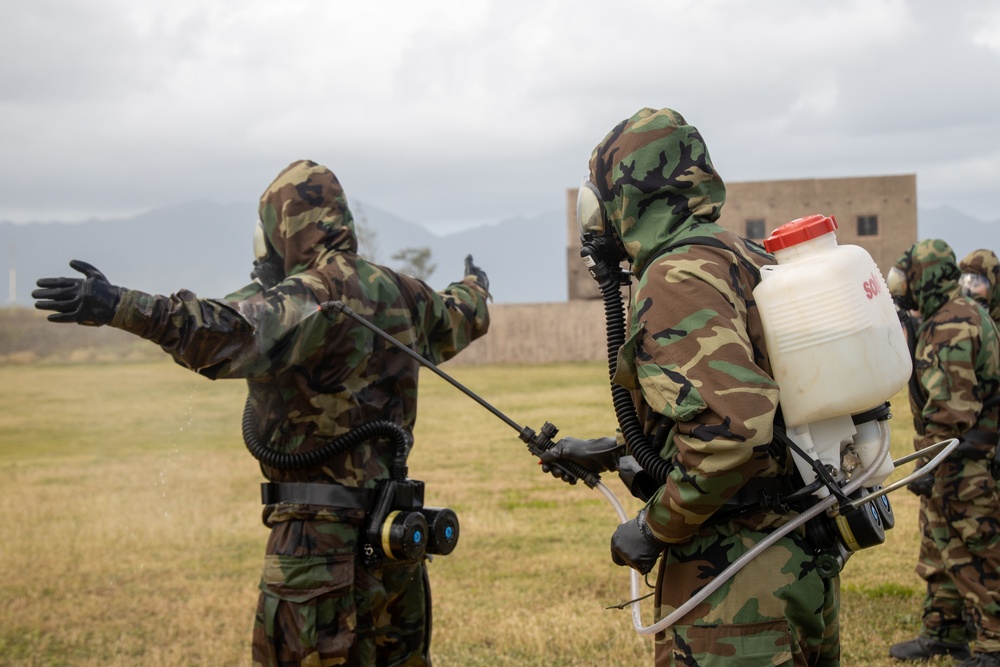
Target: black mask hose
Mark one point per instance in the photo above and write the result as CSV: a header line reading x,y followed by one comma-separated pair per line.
x,y
638,444
916,391
315,457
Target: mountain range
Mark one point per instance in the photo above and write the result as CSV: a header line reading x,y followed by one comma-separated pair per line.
x,y
206,247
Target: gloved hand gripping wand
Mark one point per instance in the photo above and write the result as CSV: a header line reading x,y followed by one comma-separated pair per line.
x,y
537,442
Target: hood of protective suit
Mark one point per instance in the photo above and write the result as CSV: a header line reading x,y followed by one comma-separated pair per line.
x,y
985,263
931,275
657,183
305,217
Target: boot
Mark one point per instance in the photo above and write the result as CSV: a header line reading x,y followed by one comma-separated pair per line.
x,y
982,660
922,648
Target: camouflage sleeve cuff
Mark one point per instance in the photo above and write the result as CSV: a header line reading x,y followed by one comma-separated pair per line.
x,y
473,295
658,516
470,282
128,315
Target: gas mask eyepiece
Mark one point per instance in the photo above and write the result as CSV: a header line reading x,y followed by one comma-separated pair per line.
x,y
260,247
899,289
976,286
268,269
590,211
600,248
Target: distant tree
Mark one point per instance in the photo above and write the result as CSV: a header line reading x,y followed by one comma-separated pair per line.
x,y
415,262
367,236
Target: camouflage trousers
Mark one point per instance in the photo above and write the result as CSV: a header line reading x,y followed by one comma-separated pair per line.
x,y
319,606
960,555
776,611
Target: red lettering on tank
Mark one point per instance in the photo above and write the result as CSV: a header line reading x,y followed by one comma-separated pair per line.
x,y
872,287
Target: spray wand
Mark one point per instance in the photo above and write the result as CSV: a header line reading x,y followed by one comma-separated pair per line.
x,y
537,442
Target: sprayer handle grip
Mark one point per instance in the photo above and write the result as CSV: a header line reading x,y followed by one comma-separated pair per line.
x,y
569,471
589,477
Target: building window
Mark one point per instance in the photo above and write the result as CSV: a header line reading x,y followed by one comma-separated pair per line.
x,y
867,225
755,229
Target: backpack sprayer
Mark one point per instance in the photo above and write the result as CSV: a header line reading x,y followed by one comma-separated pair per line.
x,y
820,357
839,441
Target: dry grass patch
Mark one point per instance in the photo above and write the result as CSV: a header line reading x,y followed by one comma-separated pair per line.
x,y
132,527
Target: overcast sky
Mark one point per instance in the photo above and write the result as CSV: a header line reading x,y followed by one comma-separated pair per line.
x,y
452,112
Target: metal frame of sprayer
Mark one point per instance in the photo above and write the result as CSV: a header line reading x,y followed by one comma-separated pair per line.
x,y
851,497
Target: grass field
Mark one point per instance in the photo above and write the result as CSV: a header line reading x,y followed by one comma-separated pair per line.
x,y
131,526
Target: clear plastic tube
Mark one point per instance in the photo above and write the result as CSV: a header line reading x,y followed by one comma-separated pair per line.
x,y
943,448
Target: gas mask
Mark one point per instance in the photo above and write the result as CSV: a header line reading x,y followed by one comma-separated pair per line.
x,y
600,248
976,286
268,267
899,288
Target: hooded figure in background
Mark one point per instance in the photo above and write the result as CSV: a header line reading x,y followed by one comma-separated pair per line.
x,y
313,377
981,280
957,369
697,365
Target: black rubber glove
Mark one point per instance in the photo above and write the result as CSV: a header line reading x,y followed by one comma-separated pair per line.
x,y
477,273
639,483
268,272
91,300
922,485
596,455
633,544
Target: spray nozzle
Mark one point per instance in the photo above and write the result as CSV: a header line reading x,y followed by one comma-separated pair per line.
x,y
330,306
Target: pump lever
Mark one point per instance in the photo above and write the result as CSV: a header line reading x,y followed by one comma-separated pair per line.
x,y
537,442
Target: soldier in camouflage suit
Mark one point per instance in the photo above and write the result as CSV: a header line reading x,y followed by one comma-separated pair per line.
x,y
957,368
981,280
697,363
312,377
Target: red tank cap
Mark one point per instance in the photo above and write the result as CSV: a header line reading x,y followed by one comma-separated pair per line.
x,y
800,230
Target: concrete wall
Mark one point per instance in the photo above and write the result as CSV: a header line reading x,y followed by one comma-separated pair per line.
x,y
540,333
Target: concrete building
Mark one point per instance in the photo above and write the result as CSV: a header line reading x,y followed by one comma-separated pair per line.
x,y
878,213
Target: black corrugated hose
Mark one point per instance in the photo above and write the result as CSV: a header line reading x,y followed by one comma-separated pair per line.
x,y
315,457
638,444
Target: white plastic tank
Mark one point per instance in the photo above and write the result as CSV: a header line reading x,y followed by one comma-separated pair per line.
x,y
834,340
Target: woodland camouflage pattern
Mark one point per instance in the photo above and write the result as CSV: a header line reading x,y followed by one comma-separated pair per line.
x,y
311,378
985,263
696,356
957,365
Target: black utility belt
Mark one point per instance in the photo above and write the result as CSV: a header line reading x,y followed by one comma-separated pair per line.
x,y
763,492
397,525
977,444
310,493
981,437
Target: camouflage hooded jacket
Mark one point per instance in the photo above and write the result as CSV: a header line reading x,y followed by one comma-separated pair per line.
x,y
314,376
985,263
695,357
956,356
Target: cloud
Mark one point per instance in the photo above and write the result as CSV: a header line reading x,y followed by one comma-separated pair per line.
x,y
442,111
